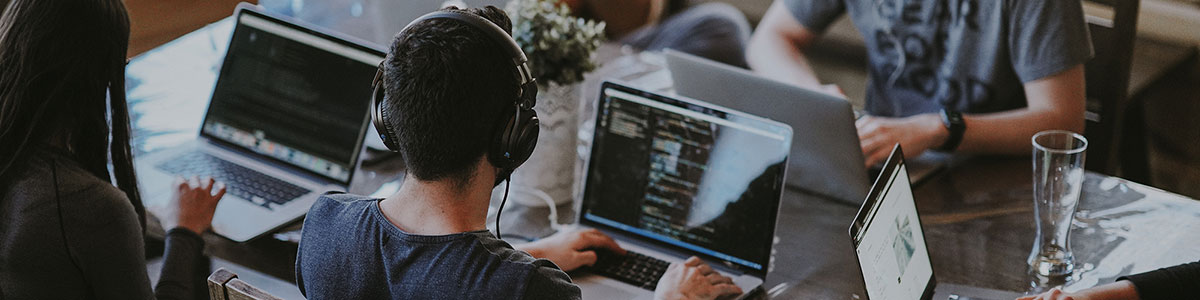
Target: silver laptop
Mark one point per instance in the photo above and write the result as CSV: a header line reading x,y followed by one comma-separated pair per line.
x,y
671,178
827,158
889,243
285,123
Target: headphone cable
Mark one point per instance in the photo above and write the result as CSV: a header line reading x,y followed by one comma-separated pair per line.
x,y
507,184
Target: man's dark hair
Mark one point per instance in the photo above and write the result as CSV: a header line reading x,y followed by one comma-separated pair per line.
x,y
448,85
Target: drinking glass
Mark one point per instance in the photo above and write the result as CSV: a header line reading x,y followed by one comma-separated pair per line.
x,y
1057,178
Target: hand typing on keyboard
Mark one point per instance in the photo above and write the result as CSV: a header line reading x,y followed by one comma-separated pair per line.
x,y
249,185
694,280
572,249
193,205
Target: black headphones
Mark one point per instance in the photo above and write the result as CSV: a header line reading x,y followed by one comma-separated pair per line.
x,y
518,132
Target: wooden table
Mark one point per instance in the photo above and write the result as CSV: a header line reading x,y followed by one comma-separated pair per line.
x,y
977,214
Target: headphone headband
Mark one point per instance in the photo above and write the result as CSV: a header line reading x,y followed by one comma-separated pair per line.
x,y
498,35
518,131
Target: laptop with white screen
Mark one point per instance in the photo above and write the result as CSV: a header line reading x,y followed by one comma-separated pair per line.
x,y
285,124
671,178
889,243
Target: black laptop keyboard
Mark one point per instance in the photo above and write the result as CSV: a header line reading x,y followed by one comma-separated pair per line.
x,y
240,181
633,268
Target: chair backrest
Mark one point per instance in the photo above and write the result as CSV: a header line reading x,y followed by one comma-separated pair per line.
x,y
1113,27
224,285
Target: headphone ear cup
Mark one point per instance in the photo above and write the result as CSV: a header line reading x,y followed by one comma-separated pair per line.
x,y
500,146
525,140
516,140
379,117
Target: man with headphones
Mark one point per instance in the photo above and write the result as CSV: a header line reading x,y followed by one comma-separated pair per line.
x,y
454,97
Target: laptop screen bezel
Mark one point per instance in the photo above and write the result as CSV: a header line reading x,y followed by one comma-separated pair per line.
x,y
675,101
878,190
246,9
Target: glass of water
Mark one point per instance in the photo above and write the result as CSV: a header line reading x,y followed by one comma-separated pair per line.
x,y
1057,178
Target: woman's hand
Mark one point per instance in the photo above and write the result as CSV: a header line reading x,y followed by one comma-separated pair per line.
x,y
193,205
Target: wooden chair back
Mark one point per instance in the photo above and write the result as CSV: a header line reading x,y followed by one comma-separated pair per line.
x,y
224,285
1107,75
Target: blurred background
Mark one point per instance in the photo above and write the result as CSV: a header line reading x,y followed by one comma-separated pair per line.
x,y
1164,79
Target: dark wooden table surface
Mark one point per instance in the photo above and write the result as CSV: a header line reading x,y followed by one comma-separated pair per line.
x,y
977,214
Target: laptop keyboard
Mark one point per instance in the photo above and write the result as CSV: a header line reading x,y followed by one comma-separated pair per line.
x,y
633,268
258,188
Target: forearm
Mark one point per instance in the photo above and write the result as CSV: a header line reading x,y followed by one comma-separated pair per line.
x,y
774,57
776,49
1010,132
184,266
1178,282
156,22
530,248
1054,102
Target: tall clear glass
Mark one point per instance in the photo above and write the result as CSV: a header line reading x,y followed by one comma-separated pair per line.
x,y
1057,178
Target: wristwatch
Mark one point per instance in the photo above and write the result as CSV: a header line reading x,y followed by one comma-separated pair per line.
x,y
954,123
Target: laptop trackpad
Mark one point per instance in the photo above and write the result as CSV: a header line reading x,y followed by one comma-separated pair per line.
x,y
599,287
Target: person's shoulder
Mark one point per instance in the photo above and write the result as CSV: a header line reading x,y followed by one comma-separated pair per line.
x,y
79,192
60,189
335,211
545,280
336,203
49,172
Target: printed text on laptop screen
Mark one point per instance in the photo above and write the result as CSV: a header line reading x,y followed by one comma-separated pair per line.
x,y
292,96
687,176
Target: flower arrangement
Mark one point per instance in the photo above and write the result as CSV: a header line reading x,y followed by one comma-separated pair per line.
x,y
559,46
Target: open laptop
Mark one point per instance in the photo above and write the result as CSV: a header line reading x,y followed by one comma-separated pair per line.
x,y
889,243
671,178
285,124
827,158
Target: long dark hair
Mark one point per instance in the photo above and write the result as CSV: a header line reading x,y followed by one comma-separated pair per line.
x,y
58,58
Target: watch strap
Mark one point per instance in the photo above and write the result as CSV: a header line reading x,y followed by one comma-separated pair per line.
x,y
955,124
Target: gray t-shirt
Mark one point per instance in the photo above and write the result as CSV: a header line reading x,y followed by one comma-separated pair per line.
x,y
967,55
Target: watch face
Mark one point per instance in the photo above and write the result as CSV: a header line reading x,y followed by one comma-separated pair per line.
x,y
952,118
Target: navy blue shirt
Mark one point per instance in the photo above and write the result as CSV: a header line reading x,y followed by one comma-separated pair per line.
x,y
349,250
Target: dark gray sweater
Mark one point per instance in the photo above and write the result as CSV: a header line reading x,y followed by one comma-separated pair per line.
x,y
66,234
349,250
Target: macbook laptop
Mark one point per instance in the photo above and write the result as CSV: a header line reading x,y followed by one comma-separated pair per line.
x,y
827,158
889,243
285,124
670,178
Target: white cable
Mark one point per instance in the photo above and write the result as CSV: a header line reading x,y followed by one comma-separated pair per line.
x,y
549,203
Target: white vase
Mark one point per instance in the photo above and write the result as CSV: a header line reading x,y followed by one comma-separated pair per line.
x,y
550,172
